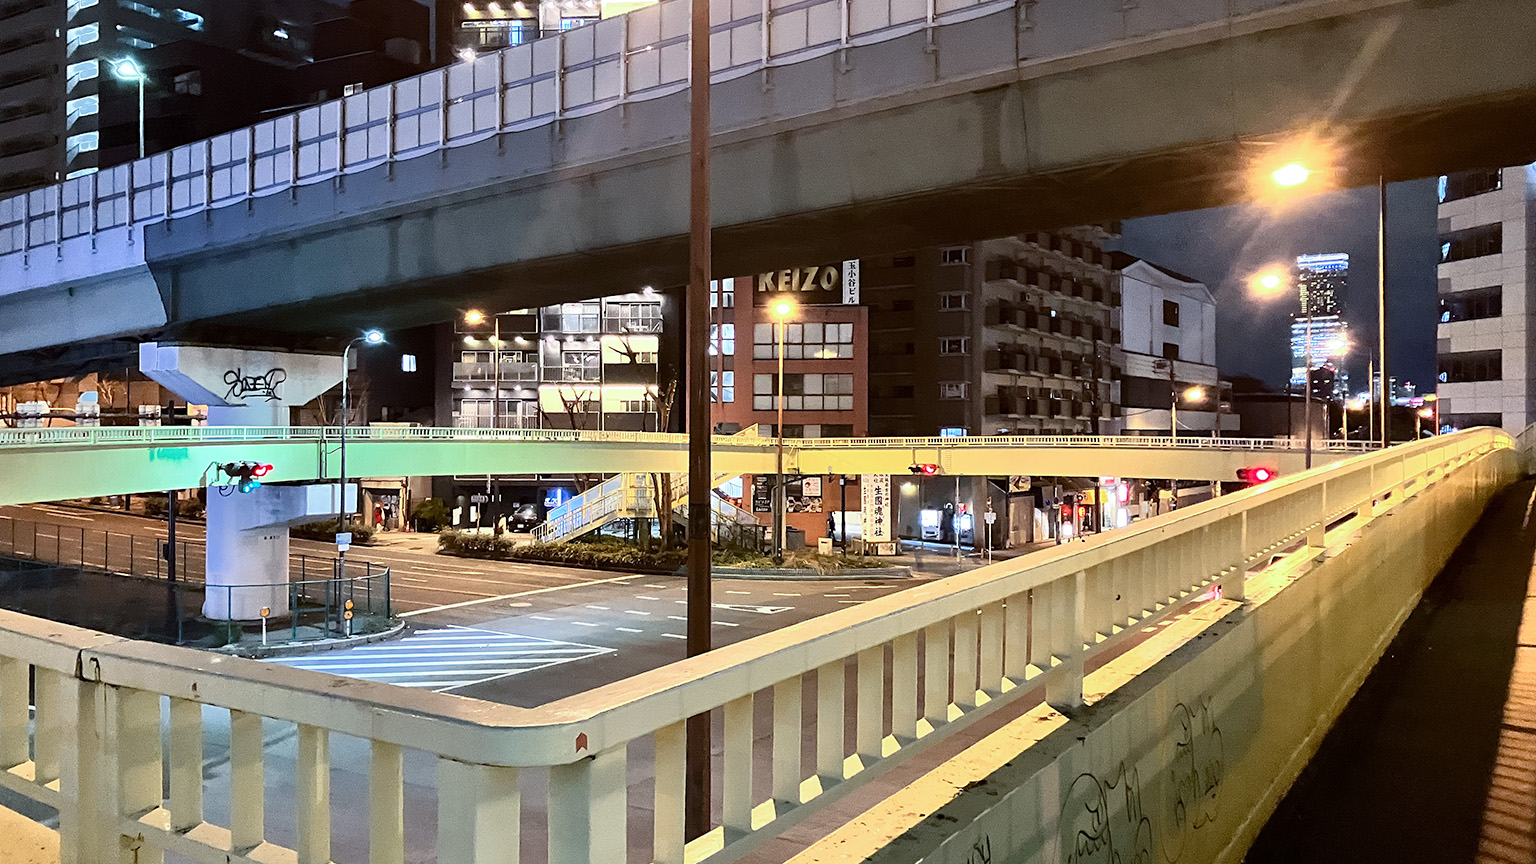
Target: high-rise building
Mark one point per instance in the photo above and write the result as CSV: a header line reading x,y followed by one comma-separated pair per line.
x,y
1321,281
69,104
468,28
1487,273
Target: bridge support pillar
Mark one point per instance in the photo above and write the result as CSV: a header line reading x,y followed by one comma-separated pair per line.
x,y
247,552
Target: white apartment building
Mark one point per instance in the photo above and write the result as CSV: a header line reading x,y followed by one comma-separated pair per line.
x,y
1168,336
1487,273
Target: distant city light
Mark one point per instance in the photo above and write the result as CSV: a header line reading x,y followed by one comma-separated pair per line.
x,y
1292,174
467,54
373,337
280,33
474,316
469,8
1194,394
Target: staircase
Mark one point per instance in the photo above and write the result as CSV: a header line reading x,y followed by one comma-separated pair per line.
x,y
629,496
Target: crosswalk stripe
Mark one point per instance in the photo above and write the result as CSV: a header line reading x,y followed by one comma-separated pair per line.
x,y
446,659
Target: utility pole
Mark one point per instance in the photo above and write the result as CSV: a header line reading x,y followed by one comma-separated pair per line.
x,y
696,760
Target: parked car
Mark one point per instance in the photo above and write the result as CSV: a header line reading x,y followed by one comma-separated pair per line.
x,y
525,517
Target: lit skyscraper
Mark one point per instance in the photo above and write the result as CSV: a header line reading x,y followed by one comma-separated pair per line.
x,y
1320,281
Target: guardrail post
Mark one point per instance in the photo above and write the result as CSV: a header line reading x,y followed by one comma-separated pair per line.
x,y
386,804
936,674
587,809
247,790
479,814
1064,690
736,781
312,798
13,712
1234,584
186,802
668,769
829,723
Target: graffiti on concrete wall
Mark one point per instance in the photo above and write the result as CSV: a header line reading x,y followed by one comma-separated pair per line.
x,y
1104,820
1195,774
266,384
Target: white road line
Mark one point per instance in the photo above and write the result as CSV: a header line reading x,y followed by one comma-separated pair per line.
x,y
649,585
635,612
409,579
628,630
724,624
677,618
738,592
787,595
541,617
645,597
674,636
599,608
834,595
464,603
583,623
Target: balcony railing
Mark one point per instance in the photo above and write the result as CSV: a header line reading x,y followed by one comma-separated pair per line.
x,y
925,665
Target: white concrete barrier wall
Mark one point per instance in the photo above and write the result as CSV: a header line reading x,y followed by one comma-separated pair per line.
x,y
1186,762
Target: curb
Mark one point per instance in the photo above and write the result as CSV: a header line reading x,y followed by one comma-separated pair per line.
x,y
806,575
299,649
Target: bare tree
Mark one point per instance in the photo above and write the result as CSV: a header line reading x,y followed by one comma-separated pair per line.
x,y
576,402
661,398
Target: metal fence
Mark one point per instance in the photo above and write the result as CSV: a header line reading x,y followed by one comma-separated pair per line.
x,y
318,596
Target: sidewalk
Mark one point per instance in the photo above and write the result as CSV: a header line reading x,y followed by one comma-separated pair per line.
x,y
1434,759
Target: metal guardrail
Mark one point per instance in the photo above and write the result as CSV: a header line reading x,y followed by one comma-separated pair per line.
x,y
980,639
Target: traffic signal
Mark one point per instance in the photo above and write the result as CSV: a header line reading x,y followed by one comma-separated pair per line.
x,y
1066,509
246,475
1256,475
926,469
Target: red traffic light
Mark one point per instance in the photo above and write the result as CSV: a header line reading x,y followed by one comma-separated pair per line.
x,y
260,470
925,468
1256,475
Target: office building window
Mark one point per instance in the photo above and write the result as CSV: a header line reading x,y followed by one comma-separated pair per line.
x,y
955,255
722,339
1170,350
722,386
812,340
804,392
722,294
954,301
953,345
1471,366
573,21
407,362
1171,313
836,430
571,318
1472,305
579,365
1472,243
82,35
1469,421
954,389
188,83
632,318
1454,187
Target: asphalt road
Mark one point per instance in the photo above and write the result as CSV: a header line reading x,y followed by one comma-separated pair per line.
x,y
525,634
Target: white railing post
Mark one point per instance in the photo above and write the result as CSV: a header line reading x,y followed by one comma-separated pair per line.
x,y
386,804
587,801
1064,691
904,688
479,815
669,772
186,802
736,782
936,674
247,779
991,664
870,723
312,795
829,724
965,660
14,743
85,816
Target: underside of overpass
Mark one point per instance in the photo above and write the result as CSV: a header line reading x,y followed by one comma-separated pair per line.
x,y
874,149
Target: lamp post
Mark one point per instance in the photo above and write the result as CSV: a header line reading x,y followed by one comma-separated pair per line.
x,y
369,337
781,310
127,70
1190,394
1295,174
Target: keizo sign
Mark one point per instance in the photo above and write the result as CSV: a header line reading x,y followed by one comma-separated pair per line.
x,y
828,283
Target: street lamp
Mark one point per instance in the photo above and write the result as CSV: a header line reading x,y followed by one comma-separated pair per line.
x,y
1296,173
781,310
369,337
127,70
1269,284
474,318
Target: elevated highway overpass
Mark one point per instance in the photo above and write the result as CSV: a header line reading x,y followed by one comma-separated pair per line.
x,y
1160,688
556,170
53,464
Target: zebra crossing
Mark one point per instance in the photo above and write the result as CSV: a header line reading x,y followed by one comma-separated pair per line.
x,y
446,659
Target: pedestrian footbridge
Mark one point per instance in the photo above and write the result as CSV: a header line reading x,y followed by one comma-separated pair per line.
x,y
1147,695
79,462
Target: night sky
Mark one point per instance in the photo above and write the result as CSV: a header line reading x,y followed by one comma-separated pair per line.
x,y
1224,246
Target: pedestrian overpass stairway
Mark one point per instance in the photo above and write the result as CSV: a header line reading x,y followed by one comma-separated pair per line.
x,y
630,496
